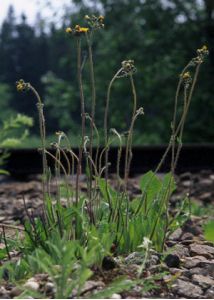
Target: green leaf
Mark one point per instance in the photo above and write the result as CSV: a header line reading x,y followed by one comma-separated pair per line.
x,y
106,190
3,172
150,185
209,231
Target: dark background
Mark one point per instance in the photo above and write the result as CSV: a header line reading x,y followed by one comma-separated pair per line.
x,y
161,37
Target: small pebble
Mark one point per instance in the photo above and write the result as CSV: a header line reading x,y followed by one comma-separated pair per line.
x,y
32,284
15,292
116,296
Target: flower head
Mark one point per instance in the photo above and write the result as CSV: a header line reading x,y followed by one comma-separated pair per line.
x,y
101,19
81,29
128,68
95,22
77,30
186,78
203,51
68,30
186,75
22,86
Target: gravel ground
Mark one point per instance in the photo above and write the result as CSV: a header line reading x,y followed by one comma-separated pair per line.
x,y
187,270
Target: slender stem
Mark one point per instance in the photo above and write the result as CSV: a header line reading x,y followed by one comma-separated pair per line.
x,y
183,118
106,135
176,132
128,155
42,128
179,130
175,114
93,104
58,162
82,103
5,242
187,100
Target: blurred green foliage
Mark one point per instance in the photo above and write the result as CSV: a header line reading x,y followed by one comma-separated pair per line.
x,y
209,231
161,36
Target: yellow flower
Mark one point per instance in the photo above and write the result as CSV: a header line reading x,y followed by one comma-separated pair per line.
x,y
20,85
186,75
84,29
68,30
79,29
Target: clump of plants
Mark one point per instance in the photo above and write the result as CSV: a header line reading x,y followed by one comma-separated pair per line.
x,y
68,239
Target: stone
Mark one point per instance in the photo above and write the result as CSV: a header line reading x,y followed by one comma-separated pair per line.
x,y
209,293
187,236
15,292
50,288
116,296
197,271
186,183
190,226
206,197
171,243
202,250
181,251
200,262
4,293
152,261
187,289
208,266
172,261
32,284
178,272
192,262
91,285
169,278
88,287
186,242
203,281
206,182
176,234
